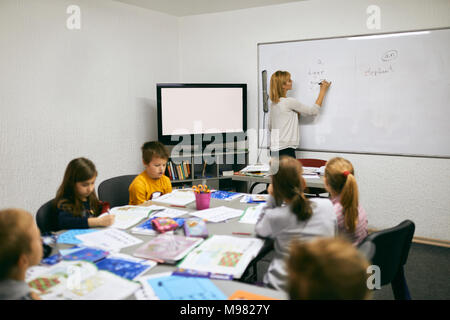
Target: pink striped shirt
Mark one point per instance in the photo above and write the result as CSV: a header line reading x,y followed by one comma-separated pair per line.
x,y
361,228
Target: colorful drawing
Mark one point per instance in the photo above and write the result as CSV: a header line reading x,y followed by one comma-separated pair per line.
x,y
230,259
43,284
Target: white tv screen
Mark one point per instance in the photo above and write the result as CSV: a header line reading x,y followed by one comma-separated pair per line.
x,y
201,110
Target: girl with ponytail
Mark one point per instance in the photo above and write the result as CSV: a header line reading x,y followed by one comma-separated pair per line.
x,y
289,215
341,184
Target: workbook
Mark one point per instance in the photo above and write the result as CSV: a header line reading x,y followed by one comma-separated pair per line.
x,y
127,216
125,266
223,254
226,195
167,248
251,215
80,280
170,287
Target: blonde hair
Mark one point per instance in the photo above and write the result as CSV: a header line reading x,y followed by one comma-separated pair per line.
x,y
277,80
326,268
340,176
288,185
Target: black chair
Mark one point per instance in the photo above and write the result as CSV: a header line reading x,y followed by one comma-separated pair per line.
x,y
368,250
46,217
115,190
250,274
391,253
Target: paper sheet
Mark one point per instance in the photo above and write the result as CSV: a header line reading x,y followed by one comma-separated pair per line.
x,y
109,239
127,216
217,214
170,213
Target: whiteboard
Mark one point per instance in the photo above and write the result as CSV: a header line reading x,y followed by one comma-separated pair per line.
x,y
389,94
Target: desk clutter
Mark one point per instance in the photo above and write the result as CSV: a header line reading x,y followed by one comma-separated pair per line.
x,y
89,264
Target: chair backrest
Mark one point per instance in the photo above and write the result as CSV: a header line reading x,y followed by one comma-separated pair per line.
x,y
317,163
115,190
46,217
391,249
367,248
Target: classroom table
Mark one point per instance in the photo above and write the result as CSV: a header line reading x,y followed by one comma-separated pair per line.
x,y
224,228
311,182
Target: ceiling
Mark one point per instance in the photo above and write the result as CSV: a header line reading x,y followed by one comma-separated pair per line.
x,y
192,7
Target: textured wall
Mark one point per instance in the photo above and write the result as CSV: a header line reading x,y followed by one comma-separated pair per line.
x,y
223,47
88,92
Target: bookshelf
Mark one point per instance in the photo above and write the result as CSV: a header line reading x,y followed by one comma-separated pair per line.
x,y
209,168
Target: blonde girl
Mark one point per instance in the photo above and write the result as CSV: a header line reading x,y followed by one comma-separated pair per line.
x,y
285,112
340,182
289,215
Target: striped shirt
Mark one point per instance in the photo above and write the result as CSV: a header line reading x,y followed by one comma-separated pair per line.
x,y
361,228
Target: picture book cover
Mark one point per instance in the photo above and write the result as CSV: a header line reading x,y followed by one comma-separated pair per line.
x,y
87,254
167,248
125,266
195,227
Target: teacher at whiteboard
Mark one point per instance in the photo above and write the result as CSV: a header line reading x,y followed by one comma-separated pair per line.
x,y
285,113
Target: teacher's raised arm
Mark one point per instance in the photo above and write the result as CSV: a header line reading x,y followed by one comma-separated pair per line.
x,y
285,111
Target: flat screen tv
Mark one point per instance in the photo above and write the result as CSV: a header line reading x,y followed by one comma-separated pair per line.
x,y
193,110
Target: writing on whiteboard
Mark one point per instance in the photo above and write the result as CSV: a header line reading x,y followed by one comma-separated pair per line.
x,y
389,55
370,72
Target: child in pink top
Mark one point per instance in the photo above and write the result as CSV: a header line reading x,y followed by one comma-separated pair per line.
x,y
341,184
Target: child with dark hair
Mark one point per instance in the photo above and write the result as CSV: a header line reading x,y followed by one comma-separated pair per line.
x,y
21,248
152,182
76,200
290,215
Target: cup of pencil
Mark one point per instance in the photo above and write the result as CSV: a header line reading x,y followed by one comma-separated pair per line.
x,y
202,196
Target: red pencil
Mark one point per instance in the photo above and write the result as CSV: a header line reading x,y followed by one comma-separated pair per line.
x,y
243,233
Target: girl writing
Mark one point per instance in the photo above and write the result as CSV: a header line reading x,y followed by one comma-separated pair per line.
x,y
76,200
289,215
340,182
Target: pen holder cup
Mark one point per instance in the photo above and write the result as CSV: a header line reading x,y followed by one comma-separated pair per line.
x,y
202,200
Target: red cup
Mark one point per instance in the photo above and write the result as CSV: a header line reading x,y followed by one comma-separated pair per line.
x,y
202,200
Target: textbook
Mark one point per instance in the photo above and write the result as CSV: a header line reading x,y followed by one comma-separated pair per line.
x,y
167,248
80,280
223,254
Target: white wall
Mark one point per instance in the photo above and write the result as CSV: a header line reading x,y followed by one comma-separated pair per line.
x,y
222,47
66,94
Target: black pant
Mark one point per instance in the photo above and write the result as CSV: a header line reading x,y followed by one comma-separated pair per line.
x,y
284,152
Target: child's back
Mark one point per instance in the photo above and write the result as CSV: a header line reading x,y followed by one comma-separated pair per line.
x,y
280,224
299,218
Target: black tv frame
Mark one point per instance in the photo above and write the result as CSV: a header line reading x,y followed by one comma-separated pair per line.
x,y
167,140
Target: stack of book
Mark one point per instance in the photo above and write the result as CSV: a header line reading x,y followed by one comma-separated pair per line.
x,y
180,171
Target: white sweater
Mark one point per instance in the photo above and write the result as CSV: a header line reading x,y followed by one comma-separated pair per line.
x,y
284,118
280,224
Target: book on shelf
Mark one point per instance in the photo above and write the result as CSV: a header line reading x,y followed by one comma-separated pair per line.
x,y
180,171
